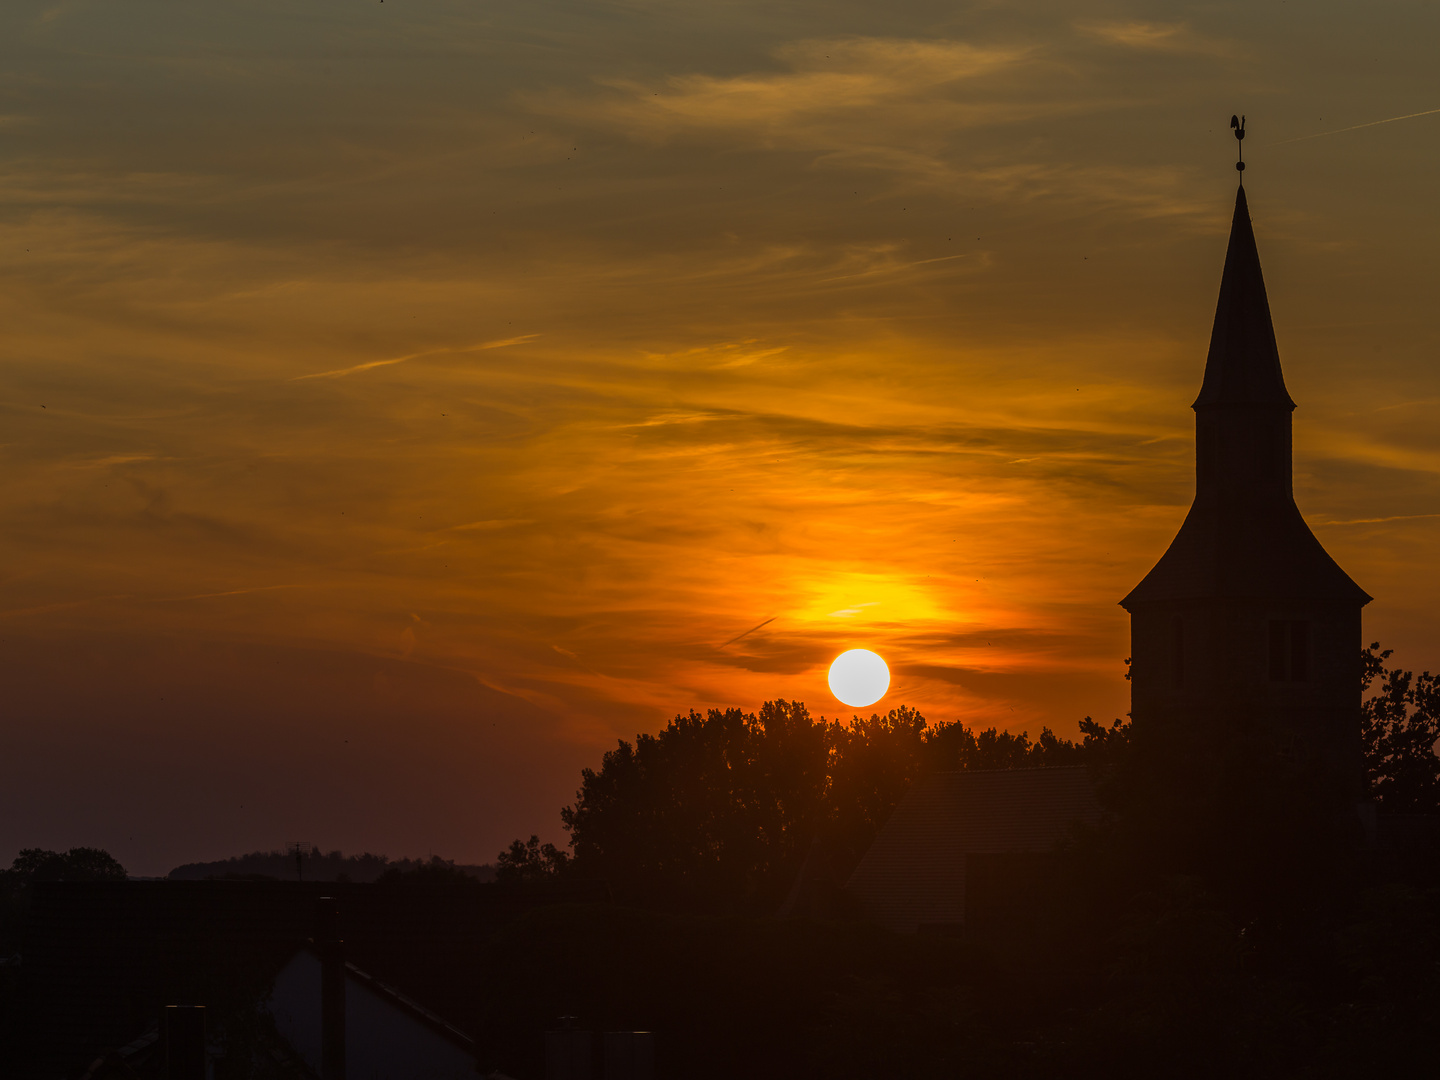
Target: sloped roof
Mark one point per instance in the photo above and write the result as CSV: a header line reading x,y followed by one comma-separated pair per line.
x,y
914,872
1243,365
1232,549
1237,542
410,1007
387,1033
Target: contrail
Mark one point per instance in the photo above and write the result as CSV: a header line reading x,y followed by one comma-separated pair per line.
x,y
1380,520
1357,127
752,629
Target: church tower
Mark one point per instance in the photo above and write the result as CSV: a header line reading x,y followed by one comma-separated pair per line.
x,y
1246,620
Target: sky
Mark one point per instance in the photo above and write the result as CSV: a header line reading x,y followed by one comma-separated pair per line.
x,y
400,402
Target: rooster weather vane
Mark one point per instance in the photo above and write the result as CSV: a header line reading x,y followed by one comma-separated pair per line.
x,y
1238,124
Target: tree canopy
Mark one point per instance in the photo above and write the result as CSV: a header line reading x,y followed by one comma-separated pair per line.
x,y
717,810
77,864
1400,725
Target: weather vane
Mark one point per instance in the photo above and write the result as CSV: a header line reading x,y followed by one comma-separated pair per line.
x,y
1238,123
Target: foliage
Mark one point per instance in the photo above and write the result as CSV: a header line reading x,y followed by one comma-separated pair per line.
x,y
1102,745
1400,726
438,873
717,811
315,866
871,763
706,809
77,864
530,861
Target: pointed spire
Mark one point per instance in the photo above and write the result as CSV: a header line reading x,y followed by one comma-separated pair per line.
x,y
1243,367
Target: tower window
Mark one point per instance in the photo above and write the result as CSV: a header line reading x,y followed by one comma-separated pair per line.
x,y
1271,466
1278,668
1289,650
1177,653
1299,651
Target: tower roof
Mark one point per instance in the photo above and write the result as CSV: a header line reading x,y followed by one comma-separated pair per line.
x,y
1244,536
1245,552
1243,367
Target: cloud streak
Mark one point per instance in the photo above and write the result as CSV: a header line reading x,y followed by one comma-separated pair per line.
x,y
370,365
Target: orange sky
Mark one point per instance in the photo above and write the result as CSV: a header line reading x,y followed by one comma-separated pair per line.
x,y
403,402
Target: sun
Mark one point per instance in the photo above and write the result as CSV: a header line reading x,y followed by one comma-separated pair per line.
x,y
859,677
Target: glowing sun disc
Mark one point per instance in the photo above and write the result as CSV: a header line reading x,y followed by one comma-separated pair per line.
x,y
859,677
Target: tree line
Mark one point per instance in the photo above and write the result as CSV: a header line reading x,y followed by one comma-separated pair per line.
x,y
718,810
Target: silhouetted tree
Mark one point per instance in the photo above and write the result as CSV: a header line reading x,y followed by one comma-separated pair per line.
x,y
1400,726
77,864
530,861
954,746
719,810
318,866
704,812
1101,745
872,762
436,869
39,864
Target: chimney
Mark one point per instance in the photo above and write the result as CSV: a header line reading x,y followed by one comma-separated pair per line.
x,y
331,948
182,1031
569,1052
629,1055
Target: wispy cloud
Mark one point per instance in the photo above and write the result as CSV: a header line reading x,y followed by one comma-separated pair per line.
x,y
491,525
1380,520
1159,37
827,78
226,592
108,460
370,365
836,93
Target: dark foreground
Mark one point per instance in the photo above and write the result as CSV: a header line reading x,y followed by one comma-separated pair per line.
x,y
1169,984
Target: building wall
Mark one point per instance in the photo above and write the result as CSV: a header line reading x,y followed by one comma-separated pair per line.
x,y
1214,662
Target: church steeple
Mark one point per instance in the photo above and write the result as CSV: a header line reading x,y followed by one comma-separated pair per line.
x,y
1243,367
1246,623
1244,535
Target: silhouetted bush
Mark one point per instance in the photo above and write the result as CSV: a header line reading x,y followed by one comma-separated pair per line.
x,y
1400,726
530,861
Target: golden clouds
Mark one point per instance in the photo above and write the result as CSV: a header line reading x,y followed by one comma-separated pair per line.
x,y
828,84
1160,37
369,365
594,363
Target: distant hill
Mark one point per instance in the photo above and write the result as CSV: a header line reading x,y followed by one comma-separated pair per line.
x,y
317,866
